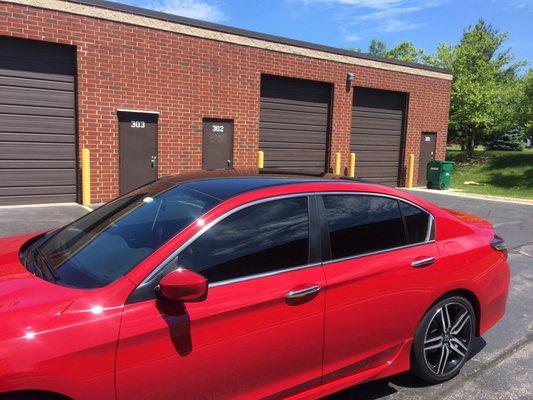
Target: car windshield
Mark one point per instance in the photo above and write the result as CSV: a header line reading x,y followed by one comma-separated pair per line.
x,y
108,242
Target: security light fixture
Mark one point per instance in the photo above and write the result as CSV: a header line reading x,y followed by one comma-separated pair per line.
x,y
350,77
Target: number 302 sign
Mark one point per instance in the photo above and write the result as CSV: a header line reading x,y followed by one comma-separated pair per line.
x,y
138,124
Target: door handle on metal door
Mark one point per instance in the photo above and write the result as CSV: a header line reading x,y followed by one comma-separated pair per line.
x,y
153,161
298,294
423,262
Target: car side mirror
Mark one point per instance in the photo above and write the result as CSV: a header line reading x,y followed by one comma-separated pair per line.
x,y
183,285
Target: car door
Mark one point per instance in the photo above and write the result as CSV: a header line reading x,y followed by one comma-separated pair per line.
x,y
374,293
260,330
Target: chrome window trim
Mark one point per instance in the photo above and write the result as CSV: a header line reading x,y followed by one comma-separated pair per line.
x,y
263,275
175,253
371,253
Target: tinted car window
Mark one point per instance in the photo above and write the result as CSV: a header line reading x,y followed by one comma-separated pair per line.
x,y
258,239
360,224
108,242
416,222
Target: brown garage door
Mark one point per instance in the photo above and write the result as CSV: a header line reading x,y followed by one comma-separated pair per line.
x,y
37,122
376,136
294,124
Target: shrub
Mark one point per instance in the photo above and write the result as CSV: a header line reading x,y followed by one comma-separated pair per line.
x,y
512,140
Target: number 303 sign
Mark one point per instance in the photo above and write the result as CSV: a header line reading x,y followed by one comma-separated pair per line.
x,y
138,124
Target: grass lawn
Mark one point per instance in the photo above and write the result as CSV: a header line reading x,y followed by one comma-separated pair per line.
x,y
500,173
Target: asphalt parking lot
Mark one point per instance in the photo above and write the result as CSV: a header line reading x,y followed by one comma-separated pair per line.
x,y
503,362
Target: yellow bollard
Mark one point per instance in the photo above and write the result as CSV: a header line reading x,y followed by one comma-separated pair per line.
x,y
261,159
337,169
410,170
351,166
86,177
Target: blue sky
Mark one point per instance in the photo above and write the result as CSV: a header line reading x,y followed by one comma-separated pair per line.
x,y
353,23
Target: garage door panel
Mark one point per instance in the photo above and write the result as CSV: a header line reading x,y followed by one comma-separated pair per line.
x,y
36,177
288,136
38,199
295,154
372,172
294,89
287,105
384,180
362,148
376,134
36,151
377,112
294,145
293,128
7,80
32,76
37,111
380,124
376,164
37,122
36,97
391,155
35,137
361,130
293,117
35,190
280,127
378,99
369,139
35,164
297,166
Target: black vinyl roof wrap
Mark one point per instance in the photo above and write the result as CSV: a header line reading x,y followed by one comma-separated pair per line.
x,y
225,188
224,184
247,33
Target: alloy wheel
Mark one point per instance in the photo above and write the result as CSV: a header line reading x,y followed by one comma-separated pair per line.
x,y
447,338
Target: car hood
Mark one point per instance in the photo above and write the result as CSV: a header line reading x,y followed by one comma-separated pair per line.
x,y
26,301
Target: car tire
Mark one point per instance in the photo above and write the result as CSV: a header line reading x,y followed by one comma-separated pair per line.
x,y
443,340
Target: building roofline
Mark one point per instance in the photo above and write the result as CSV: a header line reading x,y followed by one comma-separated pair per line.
x,y
131,15
247,33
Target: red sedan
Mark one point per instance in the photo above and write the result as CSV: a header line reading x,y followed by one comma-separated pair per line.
x,y
246,287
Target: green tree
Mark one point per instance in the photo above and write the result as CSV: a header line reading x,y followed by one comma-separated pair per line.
x,y
485,89
527,110
405,51
377,48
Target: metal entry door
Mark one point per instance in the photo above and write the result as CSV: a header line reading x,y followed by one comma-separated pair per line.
x,y
428,143
138,149
217,148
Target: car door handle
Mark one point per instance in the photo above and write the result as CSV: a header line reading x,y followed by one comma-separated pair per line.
x,y
299,293
423,262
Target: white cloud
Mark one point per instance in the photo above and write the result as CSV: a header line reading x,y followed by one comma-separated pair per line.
x,y
197,9
391,12
374,4
374,17
396,25
353,38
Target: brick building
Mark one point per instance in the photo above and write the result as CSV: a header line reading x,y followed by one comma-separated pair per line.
x,y
152,94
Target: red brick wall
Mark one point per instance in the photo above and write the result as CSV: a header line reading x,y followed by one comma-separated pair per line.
x,y
187,79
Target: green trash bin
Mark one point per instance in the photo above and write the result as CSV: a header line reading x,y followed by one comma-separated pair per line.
x,y
439,174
